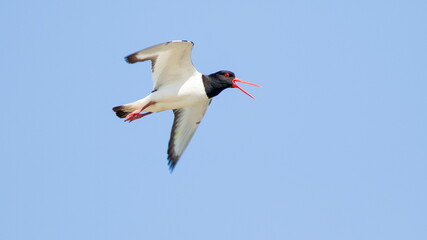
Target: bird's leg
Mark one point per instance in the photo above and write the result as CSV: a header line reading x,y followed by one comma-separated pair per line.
x,y
137,113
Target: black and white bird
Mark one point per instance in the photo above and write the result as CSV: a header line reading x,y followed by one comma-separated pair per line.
x,y
177,86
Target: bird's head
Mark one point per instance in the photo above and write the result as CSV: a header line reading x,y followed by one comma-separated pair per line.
x,y
228,80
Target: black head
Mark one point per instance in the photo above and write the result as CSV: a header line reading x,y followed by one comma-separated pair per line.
x,y
225,76
216,82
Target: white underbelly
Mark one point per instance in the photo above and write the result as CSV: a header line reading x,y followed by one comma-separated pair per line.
x,y
173,97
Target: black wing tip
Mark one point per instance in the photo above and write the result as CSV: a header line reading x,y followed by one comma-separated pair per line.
x,y
175,41
172,161
171,165
133,57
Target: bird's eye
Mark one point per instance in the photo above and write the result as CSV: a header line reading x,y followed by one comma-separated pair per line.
x,y
226,74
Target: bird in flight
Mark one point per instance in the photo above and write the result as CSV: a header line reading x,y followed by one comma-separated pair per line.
x,y
179,87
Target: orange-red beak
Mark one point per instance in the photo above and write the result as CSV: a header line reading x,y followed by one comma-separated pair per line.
x,y
241,89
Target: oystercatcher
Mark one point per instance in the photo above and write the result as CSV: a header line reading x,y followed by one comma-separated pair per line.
x,y
177,86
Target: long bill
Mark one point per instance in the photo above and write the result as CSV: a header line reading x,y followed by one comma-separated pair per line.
x,y
241,89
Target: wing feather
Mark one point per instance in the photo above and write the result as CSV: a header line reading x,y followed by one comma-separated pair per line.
x,y
170,62
186,121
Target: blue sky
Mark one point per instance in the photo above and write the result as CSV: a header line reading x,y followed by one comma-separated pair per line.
x,y
334,147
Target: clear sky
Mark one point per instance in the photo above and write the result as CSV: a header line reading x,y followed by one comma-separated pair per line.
x,y
334,147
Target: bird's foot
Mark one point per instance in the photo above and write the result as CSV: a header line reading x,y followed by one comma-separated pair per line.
x,y
135,115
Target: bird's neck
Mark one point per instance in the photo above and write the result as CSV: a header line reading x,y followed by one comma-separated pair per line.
x,y
213,85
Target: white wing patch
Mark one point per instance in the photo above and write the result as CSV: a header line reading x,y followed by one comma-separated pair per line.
x,y
170,61
186,121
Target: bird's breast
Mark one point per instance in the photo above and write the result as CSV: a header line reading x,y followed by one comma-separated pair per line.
x,y
178,95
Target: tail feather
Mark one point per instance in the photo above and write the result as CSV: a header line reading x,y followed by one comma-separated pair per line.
x,y
122,111
125,109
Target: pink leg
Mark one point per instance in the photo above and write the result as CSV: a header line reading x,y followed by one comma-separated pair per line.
x,y
137,113
133,116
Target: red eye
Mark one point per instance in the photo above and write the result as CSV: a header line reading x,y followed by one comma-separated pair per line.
x,y
227,75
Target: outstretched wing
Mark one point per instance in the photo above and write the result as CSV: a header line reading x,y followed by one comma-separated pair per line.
x,y
170,62
186,121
